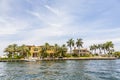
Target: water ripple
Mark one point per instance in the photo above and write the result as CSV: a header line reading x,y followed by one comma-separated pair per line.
x,y
61,70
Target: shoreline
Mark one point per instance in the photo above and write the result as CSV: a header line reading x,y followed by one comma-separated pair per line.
x,y
83,58
57,59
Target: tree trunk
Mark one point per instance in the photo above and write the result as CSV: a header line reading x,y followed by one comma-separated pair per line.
x,y
95,51
104,51
79,51
70,50
100,51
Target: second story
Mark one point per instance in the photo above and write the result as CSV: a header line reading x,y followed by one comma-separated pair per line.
x,y
82,50
37,49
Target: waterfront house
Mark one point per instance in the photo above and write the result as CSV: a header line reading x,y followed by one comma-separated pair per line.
x,y
35,51
83,51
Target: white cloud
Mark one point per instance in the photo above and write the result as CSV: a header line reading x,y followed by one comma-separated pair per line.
x,y
11,26
63,20
4,6
55,11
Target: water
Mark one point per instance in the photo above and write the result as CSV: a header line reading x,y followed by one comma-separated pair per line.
x,y
61,70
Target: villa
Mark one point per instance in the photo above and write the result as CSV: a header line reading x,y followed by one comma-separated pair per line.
x,y
83,51
35,51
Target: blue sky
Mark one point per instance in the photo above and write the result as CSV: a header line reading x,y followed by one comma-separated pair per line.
x,y
34,22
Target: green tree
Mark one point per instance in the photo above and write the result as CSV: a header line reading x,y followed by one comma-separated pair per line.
x,y
79,44
12,50
109,47
63,50
99,46
47,47
9,51
24,51
43,52
103,47
95,48
116,54
56,50
70,43
91,48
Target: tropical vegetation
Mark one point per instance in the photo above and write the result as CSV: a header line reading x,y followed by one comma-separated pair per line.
x,y
105,48
23,51
70,43
79,44
15,51
116,54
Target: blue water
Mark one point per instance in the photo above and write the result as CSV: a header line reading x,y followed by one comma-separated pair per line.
x,y
61,70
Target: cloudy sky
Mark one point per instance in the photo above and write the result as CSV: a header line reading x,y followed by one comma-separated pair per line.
x,y
55,21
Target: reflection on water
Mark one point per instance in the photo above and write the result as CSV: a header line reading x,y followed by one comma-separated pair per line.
x,y
61,70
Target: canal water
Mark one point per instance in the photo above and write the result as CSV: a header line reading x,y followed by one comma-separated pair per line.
x,y
61,70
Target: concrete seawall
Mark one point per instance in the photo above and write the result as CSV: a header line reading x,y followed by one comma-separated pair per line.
x,y
82,58
101,58
18,60
52,59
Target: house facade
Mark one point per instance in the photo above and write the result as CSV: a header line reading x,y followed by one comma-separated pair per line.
x,y
83,51
35,51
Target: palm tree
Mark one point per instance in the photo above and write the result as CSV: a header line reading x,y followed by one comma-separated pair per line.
x,y
15,49
56,50
70,43
91,48
12,50
63,50
103,47
64,46
79,44
47,46
43,52
94,48
9,51
109,46
24,51
99,46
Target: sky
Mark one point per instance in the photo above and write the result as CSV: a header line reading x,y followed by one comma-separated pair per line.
x,y
34,22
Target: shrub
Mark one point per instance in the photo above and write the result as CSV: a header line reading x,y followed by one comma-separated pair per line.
x,y
75,55
86,55
68,55
116,54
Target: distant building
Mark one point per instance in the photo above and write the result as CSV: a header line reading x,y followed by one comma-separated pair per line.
x,y
35,51
83,51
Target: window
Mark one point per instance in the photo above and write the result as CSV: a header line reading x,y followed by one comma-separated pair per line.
x,y
35,49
